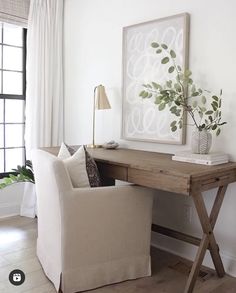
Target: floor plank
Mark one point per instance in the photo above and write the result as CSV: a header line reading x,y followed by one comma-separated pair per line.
x,y
169,272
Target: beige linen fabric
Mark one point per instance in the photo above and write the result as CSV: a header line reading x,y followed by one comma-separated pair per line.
x,y
90,237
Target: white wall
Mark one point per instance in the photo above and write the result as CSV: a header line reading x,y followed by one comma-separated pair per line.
x,y
93,55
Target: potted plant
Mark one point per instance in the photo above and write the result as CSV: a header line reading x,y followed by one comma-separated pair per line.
x,y
180,95
24,174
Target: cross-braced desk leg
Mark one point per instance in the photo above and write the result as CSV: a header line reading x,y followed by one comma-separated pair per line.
x,y
208,239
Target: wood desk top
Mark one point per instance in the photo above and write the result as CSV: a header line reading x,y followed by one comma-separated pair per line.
x,y
156,162
158,170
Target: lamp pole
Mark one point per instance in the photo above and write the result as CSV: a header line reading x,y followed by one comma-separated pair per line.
x,y
94,102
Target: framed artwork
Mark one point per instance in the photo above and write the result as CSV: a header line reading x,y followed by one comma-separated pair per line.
x,y
141,119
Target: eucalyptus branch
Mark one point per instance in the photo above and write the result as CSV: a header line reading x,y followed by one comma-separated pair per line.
x,y
174,94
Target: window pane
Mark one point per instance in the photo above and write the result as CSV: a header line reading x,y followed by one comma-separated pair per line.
x,y
12,83
1,161
12,35
0,54
1,137
0,32
14,135
14,111
14,157
12,58
1,110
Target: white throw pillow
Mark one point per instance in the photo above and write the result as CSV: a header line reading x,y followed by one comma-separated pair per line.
x,y
63,152
75,165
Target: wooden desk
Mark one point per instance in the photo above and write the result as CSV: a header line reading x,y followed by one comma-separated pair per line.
x,y
158,171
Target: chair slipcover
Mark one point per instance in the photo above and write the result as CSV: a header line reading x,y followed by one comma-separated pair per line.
x,y
90,237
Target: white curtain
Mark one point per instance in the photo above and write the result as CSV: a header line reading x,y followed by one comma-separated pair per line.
x,y
44,93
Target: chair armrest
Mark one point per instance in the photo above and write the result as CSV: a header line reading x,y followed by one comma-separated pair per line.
x,y
114,217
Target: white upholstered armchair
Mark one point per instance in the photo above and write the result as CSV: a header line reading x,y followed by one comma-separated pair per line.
x,y
89,237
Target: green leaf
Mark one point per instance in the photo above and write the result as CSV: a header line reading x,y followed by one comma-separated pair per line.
x,y
177,87
171,69
179,68
214,105
158,100
155,45
215,98
141,93
7,180
145,95
190,81
204,100
158,51
156,86
195,94
172,54
149,96
173,123
164,46
173,109
169,83
161,107
2,185
218,132
214,127
195,104
209,112
174,128
165,60
178,112
220,103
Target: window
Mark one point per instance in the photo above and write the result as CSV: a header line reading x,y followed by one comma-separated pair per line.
x,y
12,96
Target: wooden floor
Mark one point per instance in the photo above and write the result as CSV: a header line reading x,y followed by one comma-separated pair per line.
x,y
169,272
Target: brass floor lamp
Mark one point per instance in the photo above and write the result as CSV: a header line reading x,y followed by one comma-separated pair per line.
x,y
100,102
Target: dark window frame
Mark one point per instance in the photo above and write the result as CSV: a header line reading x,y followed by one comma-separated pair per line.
x,y
5,97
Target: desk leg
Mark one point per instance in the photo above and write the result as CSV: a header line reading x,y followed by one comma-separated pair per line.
x,y
208,239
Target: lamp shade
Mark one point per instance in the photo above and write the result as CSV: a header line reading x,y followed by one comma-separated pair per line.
x,y
102,101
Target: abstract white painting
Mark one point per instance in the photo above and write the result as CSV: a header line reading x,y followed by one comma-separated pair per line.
x,y
141,65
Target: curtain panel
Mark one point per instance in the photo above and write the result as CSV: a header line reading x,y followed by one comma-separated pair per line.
x,y
44,75
14,11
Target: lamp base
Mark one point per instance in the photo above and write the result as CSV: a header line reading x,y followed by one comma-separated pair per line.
x,y
93,146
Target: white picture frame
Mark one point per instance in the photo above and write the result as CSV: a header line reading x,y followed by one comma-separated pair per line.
x,y
141,119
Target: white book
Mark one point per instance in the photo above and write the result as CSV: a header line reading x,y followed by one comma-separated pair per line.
x,y
212,157
200,161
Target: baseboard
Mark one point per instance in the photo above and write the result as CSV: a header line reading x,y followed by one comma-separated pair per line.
x,y
188,251
9,209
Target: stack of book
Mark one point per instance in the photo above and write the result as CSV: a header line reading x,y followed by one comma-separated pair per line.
x,y
208,159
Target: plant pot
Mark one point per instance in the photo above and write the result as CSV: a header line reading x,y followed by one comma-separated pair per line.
x,y
201,141
29,202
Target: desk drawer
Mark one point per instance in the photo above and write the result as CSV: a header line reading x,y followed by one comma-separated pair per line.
x,y
159,181
113,171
